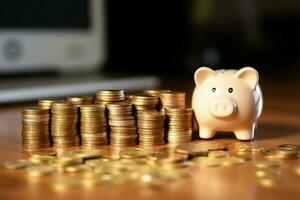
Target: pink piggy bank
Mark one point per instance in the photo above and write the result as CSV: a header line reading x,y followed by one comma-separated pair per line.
x,y
227,100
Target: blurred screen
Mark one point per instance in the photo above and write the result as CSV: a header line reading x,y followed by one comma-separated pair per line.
x,y
31,14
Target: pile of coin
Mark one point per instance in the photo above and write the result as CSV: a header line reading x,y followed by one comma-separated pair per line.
x,y
179,125
64,122
151,128
84,100
122,123
45,103
35,128
282,152
144,102
151,167
109,96
93,125
173,99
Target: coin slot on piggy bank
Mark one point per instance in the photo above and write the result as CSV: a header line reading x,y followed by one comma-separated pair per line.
x,y
227,101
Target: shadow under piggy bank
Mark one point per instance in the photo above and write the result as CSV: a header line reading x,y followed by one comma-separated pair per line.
x,y
264,131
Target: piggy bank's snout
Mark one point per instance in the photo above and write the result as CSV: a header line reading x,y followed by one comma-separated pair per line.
x,y
222,108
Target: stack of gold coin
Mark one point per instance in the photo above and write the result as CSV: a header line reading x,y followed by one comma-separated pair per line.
x,y
122,124
109,96
88,100
173,99
64,121
93,127
151,128
35,128
85,100
45,103
179,122
156,93
144,102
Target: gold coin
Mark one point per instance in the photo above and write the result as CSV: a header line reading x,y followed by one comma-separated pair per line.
x,y
264,173
43,153
232,160
286,154
207,162
42,159
291,147
211,145
269,181
133,153
218,154
84,154
40,170
77,168
192,149
16,164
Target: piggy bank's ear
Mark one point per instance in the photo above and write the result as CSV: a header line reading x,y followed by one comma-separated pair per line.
x,y
248,74
202,74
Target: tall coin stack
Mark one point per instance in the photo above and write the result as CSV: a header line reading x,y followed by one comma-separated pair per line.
x,y
151,128
93,127
173,99
64,118
179,123
144,102
109,96
123,131
35,128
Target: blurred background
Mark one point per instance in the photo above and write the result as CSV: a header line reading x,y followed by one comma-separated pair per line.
x,y
173,36
156,39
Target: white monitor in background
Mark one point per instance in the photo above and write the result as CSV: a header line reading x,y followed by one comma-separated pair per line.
x,y
61,35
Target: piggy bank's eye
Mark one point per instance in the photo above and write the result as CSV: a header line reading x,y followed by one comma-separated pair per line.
x,y
213,90
230,90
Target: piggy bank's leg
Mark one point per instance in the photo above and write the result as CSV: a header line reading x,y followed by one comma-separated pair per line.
x,y
245,134
206,133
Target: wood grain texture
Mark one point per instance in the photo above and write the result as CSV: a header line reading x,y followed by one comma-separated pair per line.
x,y
279,123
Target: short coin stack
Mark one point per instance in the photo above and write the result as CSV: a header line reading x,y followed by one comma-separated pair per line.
x,y
156,93
151,128
179,122
85,100
93,126
109,96
45,104
173,99
64,120
144,102
35,129
122,124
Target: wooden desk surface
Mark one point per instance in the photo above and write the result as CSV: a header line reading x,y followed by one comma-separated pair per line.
x,y
280,123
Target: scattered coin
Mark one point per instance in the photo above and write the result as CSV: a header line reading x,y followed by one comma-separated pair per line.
x,y
207,162
266,164
232,160
291,147
40,170
42,153
217,154
16,164
192,149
